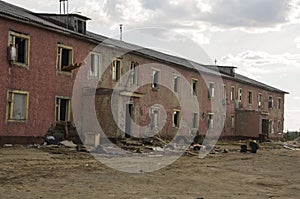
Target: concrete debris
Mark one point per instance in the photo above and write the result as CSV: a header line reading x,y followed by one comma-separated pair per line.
x,y
68,143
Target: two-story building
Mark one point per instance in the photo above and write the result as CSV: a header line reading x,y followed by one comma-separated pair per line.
x,y
42,53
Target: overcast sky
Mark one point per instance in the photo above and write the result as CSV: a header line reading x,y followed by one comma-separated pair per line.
x,y
260,37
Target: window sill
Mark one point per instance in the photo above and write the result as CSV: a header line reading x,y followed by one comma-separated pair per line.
x,y
64,73
16,121
18,64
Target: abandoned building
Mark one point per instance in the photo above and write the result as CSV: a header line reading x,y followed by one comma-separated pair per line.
x,y
41,54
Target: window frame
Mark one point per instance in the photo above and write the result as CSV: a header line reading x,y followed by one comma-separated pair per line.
x,y
154,126
99,65
211,90
27,38
9,105
232,93
57,113
155,85
270,101
176,78
59,66
210,122
194,81
260,100
116,75
195,121
240,95
177,111
134,73
250,97
279,101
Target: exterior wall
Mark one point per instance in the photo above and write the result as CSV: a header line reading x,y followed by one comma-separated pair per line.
x,y
44,83
248,124
41,79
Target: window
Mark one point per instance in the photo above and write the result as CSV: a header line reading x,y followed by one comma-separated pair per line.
x,y
63,109
134,73
176,79
224,95
155,79
116,69
211,90
271,129
210,121
279,127
250,97
279,103
176,118
17,105
194,86
19,48
95,65
270,102
232,93
64,57
80,26
195,120
260,100
232,122
240,94
154,117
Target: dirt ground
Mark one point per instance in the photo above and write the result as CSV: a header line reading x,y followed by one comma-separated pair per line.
x,y
274,172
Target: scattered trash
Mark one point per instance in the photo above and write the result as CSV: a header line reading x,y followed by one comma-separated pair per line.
x,y
7,145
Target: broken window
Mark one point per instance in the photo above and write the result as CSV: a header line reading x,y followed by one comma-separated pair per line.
x,y
95,65
17,105
63,109
210,121
155,79
116,70
194,87
176,118
211,90
279,103
232,93
195,120
134,73
260,100
64,57
240,94
250,97
270,102
154,117
19,48
176,79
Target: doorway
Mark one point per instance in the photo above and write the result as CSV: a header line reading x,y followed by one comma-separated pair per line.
x,y
128,118
265,127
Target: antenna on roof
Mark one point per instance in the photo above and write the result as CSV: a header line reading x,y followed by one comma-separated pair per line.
x,y
65,5
121,32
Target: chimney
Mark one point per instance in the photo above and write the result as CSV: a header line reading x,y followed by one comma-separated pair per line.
x,y
121,32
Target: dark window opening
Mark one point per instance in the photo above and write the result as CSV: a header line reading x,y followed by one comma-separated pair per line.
x,y
155,79
194,87
62,109
176,119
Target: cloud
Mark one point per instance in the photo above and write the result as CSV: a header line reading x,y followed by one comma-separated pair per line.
x,y
297,41
257,63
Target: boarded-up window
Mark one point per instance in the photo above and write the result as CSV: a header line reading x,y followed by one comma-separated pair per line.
x,y
17,105
210,121
154,117
232,93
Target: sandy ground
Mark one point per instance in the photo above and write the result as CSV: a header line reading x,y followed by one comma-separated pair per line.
x,y
273,172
